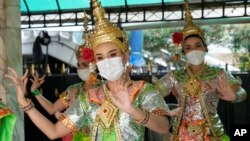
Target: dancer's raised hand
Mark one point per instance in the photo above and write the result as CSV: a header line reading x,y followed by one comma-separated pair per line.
x,y
20,84
36,81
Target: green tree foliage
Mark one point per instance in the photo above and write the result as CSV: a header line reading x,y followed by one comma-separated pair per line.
x,y
155,39
234,36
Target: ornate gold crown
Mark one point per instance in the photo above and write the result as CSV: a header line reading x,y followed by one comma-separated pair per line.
x,y
191,28
105,31
85,36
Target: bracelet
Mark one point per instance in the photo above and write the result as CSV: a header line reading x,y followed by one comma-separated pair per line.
x,y
28,107
27,101
35,92
145,119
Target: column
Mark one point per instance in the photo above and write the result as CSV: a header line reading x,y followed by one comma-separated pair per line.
x,y
11,55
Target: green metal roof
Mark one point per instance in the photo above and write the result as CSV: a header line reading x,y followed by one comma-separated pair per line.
x,y
44,6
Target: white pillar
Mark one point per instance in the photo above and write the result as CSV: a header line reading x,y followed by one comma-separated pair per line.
x,y
11,56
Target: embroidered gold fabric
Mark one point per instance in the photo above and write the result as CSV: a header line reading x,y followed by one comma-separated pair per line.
x,y
108,116
107,113
84,112
192,87
160,112
64,98
68,123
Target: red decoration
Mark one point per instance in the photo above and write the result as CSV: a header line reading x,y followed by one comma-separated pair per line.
x,y
87,54
104,110
177,37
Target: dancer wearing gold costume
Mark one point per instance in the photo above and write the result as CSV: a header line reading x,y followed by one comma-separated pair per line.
x,y
198,88
120,109
85,71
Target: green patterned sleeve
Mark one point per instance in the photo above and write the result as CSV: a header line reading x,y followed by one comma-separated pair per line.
x,y
74,115
65,96
152,100
235,83
164,84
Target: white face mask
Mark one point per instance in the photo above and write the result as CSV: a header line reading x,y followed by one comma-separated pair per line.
x,y
195,57
111,68
83,74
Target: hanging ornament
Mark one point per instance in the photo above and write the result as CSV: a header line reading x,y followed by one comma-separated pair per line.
x,y
177,39
56,92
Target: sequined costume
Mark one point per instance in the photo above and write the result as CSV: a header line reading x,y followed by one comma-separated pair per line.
x,y
7,122
84,113
66,98
198,119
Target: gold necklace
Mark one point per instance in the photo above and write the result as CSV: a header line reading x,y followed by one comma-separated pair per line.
x,y
203,67
107,114
192,86
107,111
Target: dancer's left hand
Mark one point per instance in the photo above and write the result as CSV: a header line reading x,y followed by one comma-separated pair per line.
x,y
225,92
20,83
121,97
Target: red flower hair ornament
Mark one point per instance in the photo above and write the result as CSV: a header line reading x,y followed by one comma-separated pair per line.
x,y
87,54
177,38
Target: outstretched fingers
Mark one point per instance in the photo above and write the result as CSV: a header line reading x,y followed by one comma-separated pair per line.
x,y
122,83
25,75
13,72
41,80
14,79
13,76
113,97
25,81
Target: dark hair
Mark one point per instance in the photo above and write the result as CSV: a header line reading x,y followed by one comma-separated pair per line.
x,y
197,36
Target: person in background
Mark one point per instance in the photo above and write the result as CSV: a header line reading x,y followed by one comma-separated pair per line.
x,y
198,88
85,71
119,109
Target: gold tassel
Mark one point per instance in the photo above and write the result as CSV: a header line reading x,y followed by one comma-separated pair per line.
x,y
25,66
63,70
41,66
149,66
48,70
32,69
56,92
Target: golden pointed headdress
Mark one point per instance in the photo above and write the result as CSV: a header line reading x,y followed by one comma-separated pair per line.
x,y
191,28
85,36
105,31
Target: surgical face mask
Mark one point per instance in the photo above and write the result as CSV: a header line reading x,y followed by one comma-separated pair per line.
x,y
195,57
111,68
83,74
